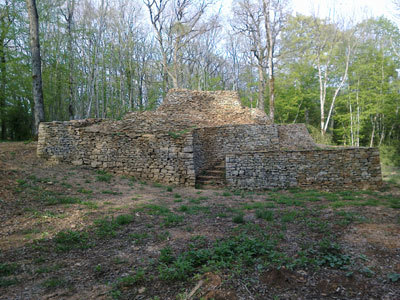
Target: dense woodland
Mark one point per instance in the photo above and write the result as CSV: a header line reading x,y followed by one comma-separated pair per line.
x,y
103,58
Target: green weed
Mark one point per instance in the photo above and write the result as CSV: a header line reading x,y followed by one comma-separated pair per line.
x,y
172,220
238,218
265,214
7,269
54,282
69,239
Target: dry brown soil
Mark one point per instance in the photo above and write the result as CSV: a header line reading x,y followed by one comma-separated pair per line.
x,y
39,199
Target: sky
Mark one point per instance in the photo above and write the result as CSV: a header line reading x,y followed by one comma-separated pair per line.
x,y
356,9
359,8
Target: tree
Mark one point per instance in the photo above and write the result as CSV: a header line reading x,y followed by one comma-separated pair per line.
x,y
36,64
261,22
69,18
176,23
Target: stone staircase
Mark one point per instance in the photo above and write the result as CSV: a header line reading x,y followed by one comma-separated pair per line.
x,y
213,176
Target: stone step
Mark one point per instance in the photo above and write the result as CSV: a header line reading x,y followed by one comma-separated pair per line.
x,y
215,172
209,177
214,176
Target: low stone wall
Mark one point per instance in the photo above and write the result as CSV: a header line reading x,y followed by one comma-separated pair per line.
x,y
213,143
346,168
157,156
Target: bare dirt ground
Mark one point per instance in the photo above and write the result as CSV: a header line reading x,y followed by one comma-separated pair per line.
x,y
76,233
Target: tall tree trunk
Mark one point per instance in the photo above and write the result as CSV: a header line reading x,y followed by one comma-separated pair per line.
x,y
3,79
261,88
270,57
36,64
69,18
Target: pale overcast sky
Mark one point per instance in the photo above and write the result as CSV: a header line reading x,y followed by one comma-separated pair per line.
x,y
361,8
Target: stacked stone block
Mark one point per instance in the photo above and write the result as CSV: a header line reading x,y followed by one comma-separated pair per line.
x,y
346,168
192,131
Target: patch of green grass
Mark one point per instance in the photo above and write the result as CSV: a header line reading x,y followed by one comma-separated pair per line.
x,y
131,280
371,202
55,200
48,269
169,189
172,220
265,214
7,269
332,197
226,194
329,253
238,218
83,191
183,208
177,196
5,282
106,227
153,209
90,205
394,203
289,216
235,251
138,238
103,176
54,282
162,236
69,239
124,219
67,185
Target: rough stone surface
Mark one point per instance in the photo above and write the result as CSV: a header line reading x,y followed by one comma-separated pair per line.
x,y
345,168
193,131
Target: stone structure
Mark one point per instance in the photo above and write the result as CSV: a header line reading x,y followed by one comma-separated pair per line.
x,y
206,138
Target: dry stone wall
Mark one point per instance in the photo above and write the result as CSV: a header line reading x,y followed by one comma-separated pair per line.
x,y
156,156
193,130
211,144
322,169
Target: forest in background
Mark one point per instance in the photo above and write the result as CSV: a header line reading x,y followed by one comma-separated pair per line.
x,y
103,58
